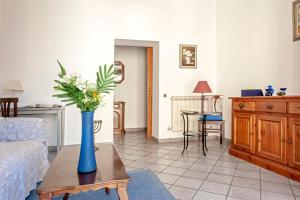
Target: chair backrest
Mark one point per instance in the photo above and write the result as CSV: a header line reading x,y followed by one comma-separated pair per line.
x,y
5,106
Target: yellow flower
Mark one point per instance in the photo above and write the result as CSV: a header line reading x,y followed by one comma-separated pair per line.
x,y
95,94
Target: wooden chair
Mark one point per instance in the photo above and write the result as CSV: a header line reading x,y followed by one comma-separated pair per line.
x,y
5,106
218,126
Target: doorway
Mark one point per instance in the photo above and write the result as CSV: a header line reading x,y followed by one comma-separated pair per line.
x,y
147,59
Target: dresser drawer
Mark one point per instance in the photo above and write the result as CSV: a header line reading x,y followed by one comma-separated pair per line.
x,y
294,107
269,106
248,106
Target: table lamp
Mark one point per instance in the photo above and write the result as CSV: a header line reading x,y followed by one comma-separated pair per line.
x,y
13,85
202,87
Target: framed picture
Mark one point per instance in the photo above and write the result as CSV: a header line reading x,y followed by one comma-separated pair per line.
x,y
296,19
188,56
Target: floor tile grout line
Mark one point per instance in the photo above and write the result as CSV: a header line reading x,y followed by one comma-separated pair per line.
x,y
232,179
292,189
260,190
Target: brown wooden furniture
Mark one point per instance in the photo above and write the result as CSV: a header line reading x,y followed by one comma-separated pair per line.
x,y
5,106
119,110
266,132
62,177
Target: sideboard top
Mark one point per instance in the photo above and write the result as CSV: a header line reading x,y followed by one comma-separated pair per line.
x,y
267,97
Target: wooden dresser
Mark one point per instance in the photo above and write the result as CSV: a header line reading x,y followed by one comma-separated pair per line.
x,y
266,132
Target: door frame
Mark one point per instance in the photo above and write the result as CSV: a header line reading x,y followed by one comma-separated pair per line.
x,y
152,81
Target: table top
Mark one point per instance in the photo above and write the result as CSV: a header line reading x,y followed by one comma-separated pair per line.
x,y
62,174
189,112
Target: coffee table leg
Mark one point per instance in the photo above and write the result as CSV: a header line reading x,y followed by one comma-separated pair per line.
x,y
66,196
122,192
45,196
107,190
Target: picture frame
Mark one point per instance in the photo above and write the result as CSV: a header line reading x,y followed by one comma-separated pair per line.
x,y
296,20
187,56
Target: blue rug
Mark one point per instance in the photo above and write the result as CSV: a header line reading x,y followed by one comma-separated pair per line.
x,y
143,185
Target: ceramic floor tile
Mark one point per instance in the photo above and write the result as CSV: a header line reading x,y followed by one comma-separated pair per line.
x,y
213,187
182,193
156,167
272,177
296,190
201,177
248,166
247,174
275,196
201,167
202,195
226,164
195,174
222,170
174,170
137,164
276,187
220,178
181,164
163,162
233,198
244,193
246,182
189,183
167,178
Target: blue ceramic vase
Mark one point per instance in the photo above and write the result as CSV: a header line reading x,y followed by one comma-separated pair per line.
x,y
269,91
87,160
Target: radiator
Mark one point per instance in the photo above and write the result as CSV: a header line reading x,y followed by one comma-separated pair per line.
x,y
212,104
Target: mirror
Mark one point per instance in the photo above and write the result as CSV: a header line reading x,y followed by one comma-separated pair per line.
x,y
119,72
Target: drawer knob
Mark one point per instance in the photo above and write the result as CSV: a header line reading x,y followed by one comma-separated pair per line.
x,y
269,107
242,106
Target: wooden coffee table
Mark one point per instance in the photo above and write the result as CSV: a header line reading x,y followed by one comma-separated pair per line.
x,y
62,177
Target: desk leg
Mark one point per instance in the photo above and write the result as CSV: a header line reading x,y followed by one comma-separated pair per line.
x,y
122,192
45,196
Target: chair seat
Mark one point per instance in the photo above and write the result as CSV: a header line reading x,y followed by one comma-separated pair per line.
x,y
212,117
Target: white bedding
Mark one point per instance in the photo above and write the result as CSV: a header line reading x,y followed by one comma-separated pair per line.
x,y
22,165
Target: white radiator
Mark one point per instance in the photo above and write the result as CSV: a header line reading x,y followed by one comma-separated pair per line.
x,y
192,103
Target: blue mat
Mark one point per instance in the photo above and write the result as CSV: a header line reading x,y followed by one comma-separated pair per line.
x,y
143,185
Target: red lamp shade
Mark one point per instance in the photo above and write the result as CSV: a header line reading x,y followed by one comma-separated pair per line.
x,y
202,87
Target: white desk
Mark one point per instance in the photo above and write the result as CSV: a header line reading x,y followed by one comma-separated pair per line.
x,y
60,116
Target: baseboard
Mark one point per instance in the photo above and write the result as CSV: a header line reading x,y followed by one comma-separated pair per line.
x,y
134,130
180,139
52,148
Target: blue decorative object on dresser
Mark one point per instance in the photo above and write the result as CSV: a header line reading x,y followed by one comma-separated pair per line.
x,y
251,92
269,91
282,92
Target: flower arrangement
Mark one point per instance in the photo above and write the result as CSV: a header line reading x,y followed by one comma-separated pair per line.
x,y
86,95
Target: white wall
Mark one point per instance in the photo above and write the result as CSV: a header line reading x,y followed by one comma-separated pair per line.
x,y
81,35
255,48
133,90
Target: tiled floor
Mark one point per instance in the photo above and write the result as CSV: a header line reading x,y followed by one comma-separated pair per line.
x,y
194,177
191,176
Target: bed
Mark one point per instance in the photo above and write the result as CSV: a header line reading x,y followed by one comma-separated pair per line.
x,y
23,156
